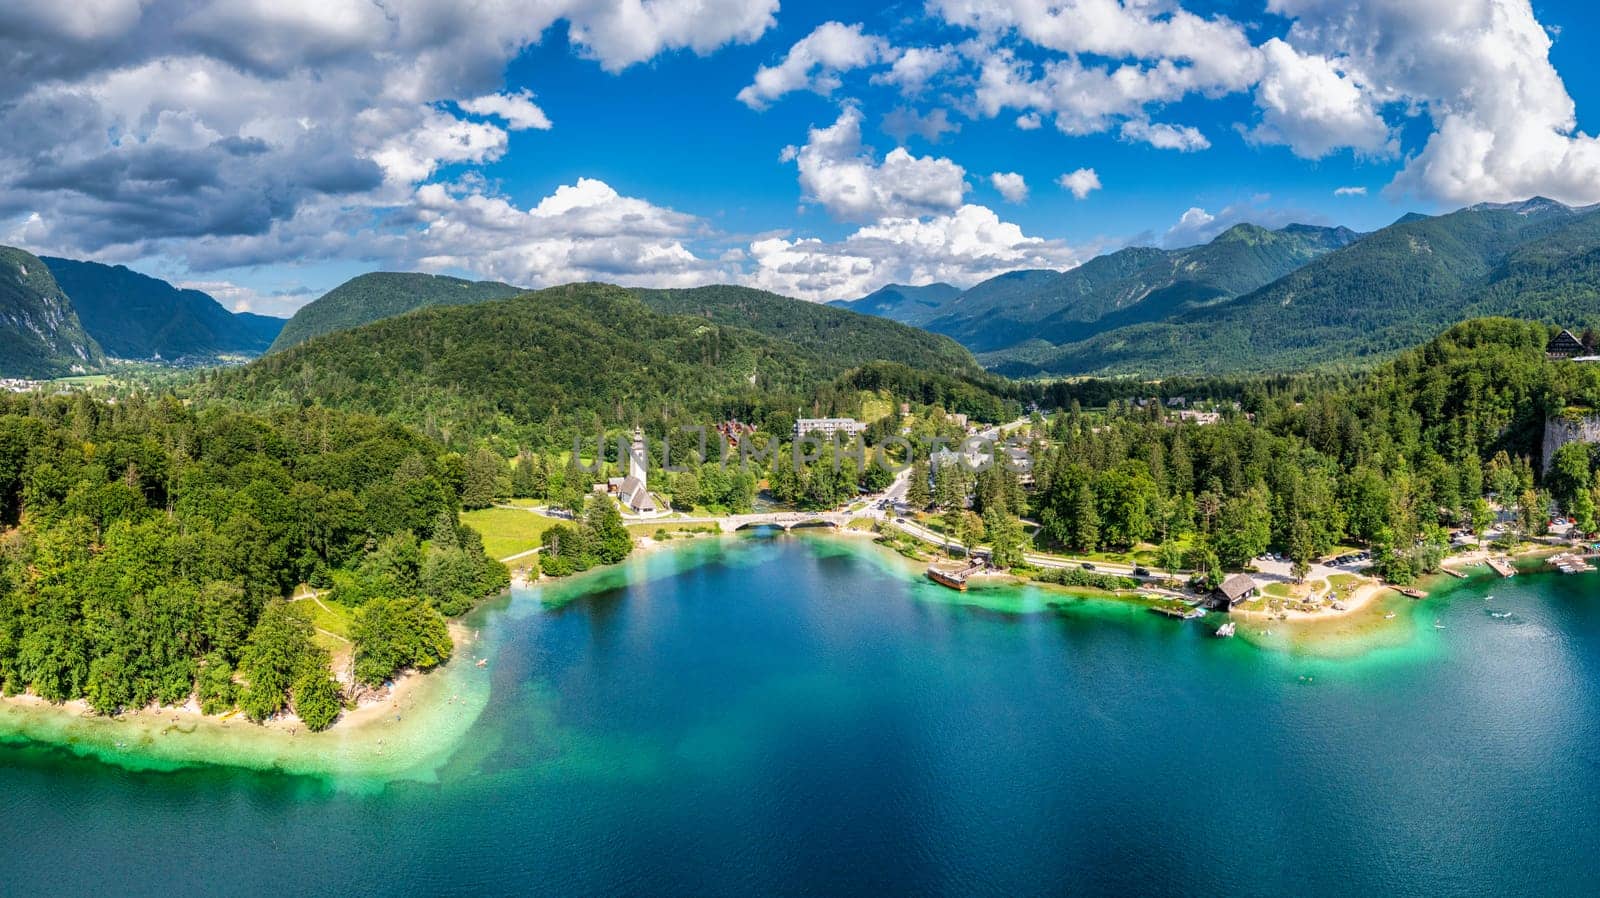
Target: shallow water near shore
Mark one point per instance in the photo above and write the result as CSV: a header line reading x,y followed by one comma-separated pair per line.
x,y
800,713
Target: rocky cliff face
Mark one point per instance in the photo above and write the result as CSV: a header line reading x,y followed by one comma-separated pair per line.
x,y
40,335
1567,429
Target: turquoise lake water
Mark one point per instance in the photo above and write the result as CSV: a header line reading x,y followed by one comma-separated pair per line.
x,y
796,715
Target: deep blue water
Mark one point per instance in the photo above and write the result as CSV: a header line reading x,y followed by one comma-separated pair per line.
x,y
788,716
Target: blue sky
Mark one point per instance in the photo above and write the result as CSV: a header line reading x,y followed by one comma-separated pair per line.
x,y
267,152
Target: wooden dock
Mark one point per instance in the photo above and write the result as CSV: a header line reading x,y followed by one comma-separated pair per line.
x,y
1571,563
1502,567
1454,573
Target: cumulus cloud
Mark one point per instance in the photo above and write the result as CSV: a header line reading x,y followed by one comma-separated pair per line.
x,y
917,66
244,130
1162,136
1504,126
582,231
1344,78
1309,105
842,176
963,247
1081,182
814,63
518,110
1011,186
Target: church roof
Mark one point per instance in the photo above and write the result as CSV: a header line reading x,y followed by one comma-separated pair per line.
x,y
635,495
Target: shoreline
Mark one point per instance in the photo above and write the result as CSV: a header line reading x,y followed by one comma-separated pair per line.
x,y
405,733
417,723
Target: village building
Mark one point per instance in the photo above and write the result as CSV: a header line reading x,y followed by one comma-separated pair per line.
x,y
1565,346
1237,588
828,427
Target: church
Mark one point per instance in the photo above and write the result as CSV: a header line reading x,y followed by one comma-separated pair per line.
x,y
633,491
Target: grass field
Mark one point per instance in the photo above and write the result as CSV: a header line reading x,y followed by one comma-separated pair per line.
x,y
508,531
332,621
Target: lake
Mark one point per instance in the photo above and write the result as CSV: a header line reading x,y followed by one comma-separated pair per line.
x,y
802,715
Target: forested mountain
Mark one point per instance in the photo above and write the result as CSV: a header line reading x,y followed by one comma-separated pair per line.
x,y
839,337
899,302
1128,286
134,316
565,357
383,294
40,334
1390,290
1140,283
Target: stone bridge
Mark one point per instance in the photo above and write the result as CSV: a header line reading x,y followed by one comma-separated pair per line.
x,y
788,520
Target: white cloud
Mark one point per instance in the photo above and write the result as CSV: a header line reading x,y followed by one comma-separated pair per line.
x,y
842,176
1193,226
1313,108
1081,182
1028,121
1504,124
1350,191
582,231
917,66
259,130
966,246
518,110
1011,186
814,63
1162,136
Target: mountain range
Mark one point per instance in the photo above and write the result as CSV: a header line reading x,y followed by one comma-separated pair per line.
x,y
1255,300
1250,300
135,316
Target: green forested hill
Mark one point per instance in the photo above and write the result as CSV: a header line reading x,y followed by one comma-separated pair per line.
x,y
1129,286
900,302
838,337
40,334
1393,289
564,357
383,294
134,316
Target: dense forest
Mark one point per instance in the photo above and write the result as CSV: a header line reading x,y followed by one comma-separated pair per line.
x,y
148,552
383,294
529,373
1447,436
839,338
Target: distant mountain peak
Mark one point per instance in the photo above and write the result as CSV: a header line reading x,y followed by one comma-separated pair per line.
x,y
1537,205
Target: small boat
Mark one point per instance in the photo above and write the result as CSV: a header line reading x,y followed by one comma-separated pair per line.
x,y
1226,630
1389,616
1438,626
944,578
1412,592
483,662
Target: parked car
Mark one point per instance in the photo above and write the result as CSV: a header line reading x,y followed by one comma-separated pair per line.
x,y
1141,572
1087,566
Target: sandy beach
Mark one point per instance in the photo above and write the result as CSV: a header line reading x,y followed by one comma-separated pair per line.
x,y
403,730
